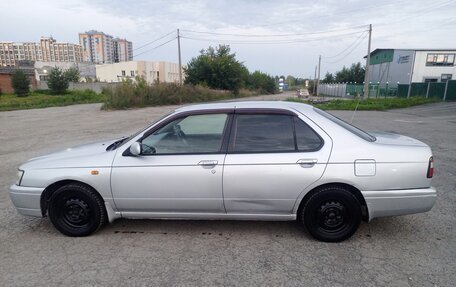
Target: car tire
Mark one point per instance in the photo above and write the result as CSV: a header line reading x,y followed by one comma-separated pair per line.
x,y
331,214
77,210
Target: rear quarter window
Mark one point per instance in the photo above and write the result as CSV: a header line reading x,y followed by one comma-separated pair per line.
x,y
306,138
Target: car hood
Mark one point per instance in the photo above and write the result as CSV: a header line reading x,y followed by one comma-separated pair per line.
x,y
395,139
87,155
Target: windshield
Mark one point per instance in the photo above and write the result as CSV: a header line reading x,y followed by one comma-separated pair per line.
x,y
354,130
122,141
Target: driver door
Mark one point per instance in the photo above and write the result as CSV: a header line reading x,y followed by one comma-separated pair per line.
x,y
179,169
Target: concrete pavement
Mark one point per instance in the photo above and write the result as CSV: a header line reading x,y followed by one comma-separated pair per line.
x,y
415,250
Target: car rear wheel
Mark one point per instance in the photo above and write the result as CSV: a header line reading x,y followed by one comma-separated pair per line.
x,y
331,214
76,210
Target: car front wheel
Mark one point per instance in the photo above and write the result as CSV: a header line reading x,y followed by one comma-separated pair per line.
x,y
76,210
331,214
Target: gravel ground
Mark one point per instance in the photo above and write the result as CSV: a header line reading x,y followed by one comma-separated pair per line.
x,y
415,250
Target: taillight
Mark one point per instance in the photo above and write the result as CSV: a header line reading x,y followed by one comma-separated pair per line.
x,y
430,171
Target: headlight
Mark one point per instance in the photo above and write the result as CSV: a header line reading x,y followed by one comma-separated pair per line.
x,y
20,174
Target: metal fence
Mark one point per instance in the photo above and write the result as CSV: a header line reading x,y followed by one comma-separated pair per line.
x,y
353,90
332,90
444,91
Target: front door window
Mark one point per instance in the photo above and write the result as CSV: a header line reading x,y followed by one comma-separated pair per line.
x,y
188,135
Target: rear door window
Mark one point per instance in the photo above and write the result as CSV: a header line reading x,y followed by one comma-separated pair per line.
x,y
263,133
269,133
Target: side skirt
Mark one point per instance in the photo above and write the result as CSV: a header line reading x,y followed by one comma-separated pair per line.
x,y
208,216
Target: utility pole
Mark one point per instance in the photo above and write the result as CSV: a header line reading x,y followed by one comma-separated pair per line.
x,y
318,79
180,61
314,81
366,76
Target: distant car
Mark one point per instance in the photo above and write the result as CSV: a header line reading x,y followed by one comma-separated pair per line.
x,y
241,161
302,93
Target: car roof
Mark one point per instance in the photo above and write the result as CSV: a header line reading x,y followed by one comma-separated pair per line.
x,y
247,105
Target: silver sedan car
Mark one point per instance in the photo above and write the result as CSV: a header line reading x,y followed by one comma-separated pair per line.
x,y
238,161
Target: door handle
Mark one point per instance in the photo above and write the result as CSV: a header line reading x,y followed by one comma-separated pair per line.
x,y
307,162
208,162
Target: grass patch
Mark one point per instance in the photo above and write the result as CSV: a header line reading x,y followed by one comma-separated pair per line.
x,y
369,104
42,99
139,94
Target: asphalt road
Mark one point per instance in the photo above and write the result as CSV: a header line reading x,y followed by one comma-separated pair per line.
x,y
415,250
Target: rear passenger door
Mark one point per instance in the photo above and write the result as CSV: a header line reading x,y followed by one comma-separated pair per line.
x,y
273,156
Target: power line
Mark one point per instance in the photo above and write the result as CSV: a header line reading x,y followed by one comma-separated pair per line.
x,y
269,41
153,41
156,47
276,35
348,47
349,52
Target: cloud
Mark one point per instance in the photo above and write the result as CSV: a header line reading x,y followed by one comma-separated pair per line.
x,y
396,24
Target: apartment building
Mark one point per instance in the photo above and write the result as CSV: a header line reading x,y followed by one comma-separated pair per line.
x,y
48,49
123,50
101,48
151,71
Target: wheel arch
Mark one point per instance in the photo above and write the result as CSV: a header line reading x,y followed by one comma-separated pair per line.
x,y
355,191
50,189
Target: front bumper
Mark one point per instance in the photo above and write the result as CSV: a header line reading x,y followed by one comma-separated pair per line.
x,y
26,199
399,202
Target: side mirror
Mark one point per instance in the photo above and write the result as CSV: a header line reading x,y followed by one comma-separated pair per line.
x,y
135,149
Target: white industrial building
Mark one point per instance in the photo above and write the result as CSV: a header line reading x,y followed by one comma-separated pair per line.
x,y
151,71
403,66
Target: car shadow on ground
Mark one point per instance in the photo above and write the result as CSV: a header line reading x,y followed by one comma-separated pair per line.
x,y
202,227
392,228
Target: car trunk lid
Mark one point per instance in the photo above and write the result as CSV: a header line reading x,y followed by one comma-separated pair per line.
x,y
395,139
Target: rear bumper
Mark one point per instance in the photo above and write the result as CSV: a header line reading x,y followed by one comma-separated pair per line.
x,y
399,202
26,199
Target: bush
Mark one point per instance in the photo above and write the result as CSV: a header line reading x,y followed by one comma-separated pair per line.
x,y
72,75
57,81
20,83
138,93
217,68
262,82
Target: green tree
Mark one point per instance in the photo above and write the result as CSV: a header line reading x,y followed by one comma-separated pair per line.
x,y
216,68
353,74
72,74
262,82
290,80
57,81
300,81
245,77
329,78
20,83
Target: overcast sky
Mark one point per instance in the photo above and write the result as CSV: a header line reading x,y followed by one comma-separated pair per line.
x,y
292,41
